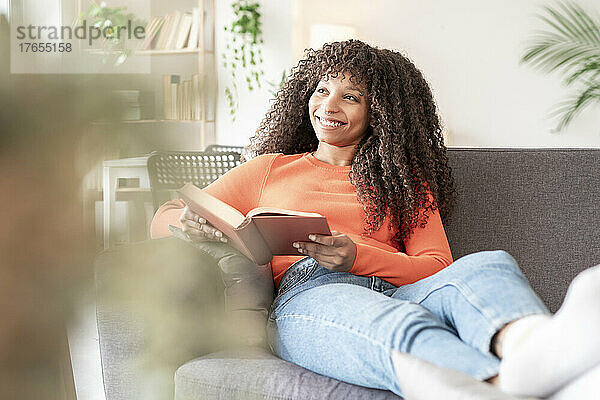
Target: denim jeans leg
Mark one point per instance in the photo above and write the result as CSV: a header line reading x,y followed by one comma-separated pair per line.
x,y
476,295
347,331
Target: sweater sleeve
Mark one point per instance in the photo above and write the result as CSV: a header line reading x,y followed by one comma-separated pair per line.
x,y
241,188
427,252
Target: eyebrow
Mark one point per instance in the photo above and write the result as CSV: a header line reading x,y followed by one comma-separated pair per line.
x,y
355,89
360,92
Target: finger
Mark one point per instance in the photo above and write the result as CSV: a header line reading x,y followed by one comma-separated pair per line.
x,y
314,248
211,230
322,239
188,214
336,239
200,235
191,231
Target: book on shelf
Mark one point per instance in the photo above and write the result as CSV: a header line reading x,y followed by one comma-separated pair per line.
x,y
197,98
134,105
168,82
195,29
164,32
183,32
182,98
152,30
175,100
175,31
171,39
263,232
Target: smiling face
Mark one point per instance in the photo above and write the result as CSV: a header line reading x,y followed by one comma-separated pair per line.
x,y
339,111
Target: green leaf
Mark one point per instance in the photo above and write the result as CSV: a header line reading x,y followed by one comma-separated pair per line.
x,y
120,59
575,105
569,44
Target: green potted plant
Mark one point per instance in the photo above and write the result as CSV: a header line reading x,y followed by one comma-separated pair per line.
x,y
570,44
243,52
101,16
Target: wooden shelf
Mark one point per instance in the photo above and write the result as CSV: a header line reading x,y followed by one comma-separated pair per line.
x,y
168,52
164,52
133,194
157,121
164,121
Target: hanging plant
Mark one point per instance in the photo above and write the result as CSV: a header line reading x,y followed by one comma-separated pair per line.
x,y
243,52
276,86
570,44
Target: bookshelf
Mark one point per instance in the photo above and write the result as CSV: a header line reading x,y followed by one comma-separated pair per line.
x,y
191,126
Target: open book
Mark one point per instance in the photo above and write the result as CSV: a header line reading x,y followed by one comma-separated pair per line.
x,y
261,234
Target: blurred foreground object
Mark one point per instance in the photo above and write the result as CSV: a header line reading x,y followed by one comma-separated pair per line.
x,y
164,302
46,254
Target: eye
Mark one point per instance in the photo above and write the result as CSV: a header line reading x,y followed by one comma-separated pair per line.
x,y
320,90
352,97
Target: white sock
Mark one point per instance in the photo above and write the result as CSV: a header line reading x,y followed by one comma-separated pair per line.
x,y
520,329
421,380
583,388
543,356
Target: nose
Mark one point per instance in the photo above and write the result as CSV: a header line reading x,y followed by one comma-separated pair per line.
x,y
329,105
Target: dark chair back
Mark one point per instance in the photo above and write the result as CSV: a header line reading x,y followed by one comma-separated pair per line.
x,y
222,148
170,170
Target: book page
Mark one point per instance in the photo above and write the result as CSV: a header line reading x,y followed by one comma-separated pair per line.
x,y
273,211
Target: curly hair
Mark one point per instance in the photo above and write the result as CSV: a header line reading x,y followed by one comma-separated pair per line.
x,y
400,166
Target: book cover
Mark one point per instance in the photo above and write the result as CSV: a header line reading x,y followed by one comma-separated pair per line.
x,y
196,98
173,30
183,31
170,83
195,29
164,32
152,31
263,232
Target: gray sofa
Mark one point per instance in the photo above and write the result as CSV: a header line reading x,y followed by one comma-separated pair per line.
x,y
540,205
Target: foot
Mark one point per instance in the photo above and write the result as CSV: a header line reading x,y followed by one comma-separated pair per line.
x,y
562,348
421,380
583,388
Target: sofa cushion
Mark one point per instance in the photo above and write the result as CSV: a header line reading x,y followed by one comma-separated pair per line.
x,y
254,373
540,205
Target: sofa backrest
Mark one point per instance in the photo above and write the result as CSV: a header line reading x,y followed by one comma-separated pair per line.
x,y
540,205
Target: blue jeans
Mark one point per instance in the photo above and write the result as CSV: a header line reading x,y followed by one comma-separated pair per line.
x,y
344,326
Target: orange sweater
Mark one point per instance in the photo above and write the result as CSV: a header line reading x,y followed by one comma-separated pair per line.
x,y
302,182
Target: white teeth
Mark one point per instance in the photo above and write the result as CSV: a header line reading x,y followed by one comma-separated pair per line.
x,y
330,123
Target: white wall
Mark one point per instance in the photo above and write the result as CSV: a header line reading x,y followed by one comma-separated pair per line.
x,y
277,55
4,7
468,50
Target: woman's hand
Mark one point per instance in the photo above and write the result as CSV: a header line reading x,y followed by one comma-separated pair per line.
x,y
336,252
198,229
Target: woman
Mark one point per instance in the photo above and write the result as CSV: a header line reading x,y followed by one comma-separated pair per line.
x,y
354,135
